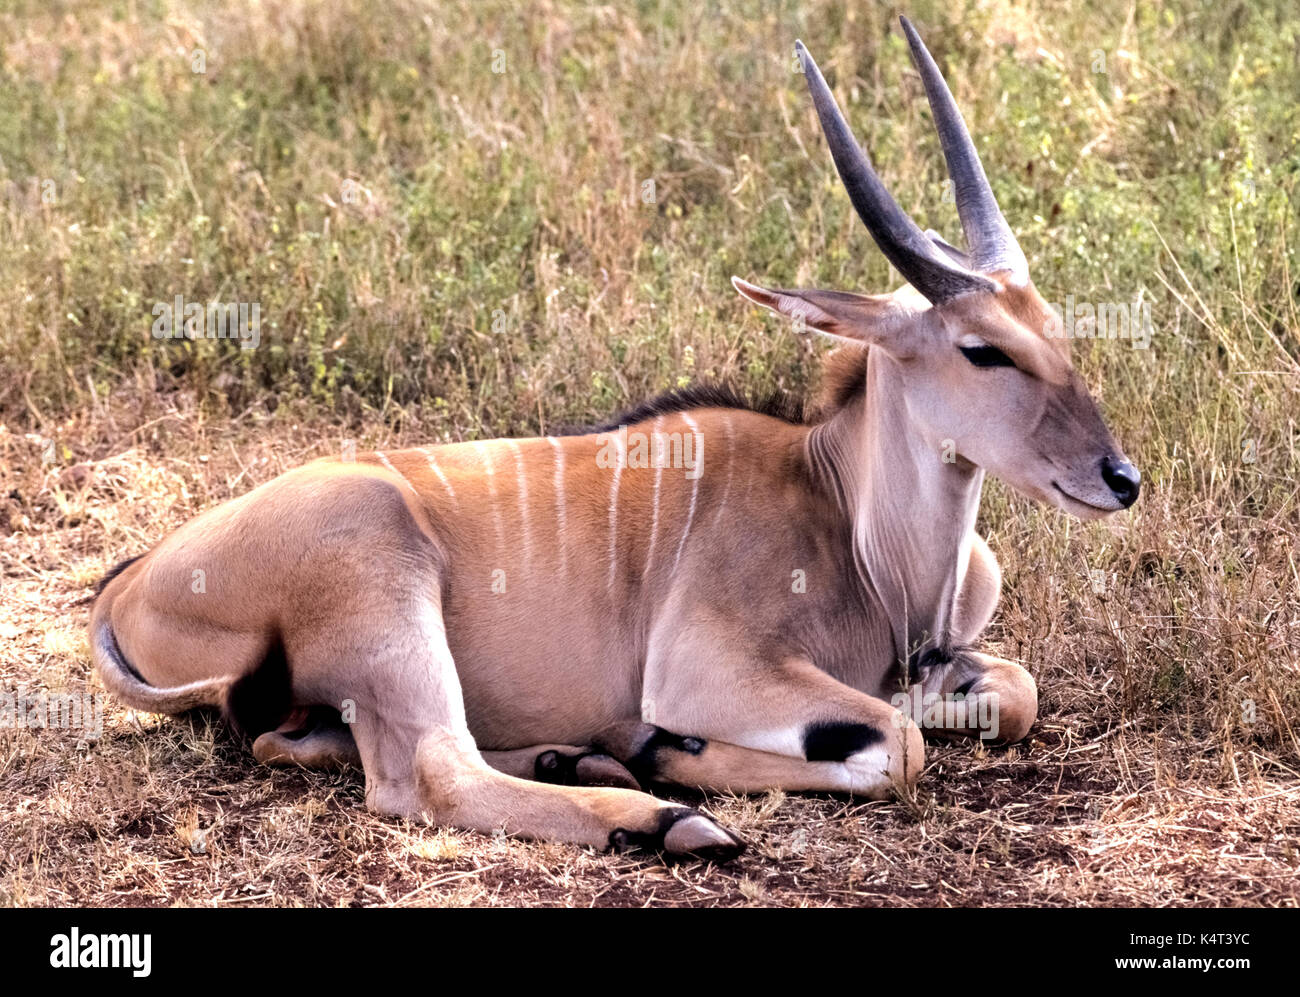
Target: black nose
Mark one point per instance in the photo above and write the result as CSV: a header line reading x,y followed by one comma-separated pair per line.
x,y
1123,479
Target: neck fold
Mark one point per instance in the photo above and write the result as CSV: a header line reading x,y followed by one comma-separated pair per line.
x,y
912,504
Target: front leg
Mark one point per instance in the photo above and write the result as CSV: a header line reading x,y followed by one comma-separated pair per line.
x,y
751,721
655,755
999,698
980,590
562,765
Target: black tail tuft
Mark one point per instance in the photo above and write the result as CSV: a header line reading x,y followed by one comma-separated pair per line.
x,y
259,700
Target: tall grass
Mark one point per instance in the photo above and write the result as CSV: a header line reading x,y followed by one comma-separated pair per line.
x,y
498,159
443,210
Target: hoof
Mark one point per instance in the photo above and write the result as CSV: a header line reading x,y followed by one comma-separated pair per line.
x,y
683,833
601,770
590,769
700,838
273,748
327,748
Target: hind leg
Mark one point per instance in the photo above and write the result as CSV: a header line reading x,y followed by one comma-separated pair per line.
x,y
421,762
319,743
461,790
310,740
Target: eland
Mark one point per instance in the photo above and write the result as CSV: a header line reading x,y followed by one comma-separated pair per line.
x,y
520,635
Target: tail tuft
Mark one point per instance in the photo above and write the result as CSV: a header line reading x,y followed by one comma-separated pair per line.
x,y
259,700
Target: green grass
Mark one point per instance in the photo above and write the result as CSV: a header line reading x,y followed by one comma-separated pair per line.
x,y
516,196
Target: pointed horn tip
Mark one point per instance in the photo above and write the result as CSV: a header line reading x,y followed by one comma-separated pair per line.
x,y
805,57
913,37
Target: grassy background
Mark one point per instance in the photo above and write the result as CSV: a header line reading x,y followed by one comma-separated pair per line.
x,y
442,251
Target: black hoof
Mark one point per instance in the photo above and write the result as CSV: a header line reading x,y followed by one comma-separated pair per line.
x,y
682,833
590,768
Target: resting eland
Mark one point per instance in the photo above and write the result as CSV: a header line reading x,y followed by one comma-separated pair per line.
x,y
520,634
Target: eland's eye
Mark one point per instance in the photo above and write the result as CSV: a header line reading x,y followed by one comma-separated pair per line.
x,y
986,356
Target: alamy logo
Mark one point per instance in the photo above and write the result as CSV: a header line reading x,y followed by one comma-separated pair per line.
x,y
66,711
1101,320
948,711
633,450
91,951
219,320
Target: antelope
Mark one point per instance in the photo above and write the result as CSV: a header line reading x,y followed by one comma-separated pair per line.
x,y
518,635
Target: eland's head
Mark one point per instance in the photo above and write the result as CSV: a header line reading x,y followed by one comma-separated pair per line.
x,y
974,351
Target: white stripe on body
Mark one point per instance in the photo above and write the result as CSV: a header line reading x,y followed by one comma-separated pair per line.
x,y
560,510
698,440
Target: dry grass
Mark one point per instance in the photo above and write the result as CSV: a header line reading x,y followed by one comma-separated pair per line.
x,y
1165,767
1119,797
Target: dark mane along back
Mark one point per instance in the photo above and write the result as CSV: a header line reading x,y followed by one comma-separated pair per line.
x,y
113,572
777,405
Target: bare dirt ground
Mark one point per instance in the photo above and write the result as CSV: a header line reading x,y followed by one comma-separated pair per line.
x,y
1120,796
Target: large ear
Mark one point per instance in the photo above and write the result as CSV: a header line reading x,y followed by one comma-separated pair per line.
x,y
863,318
